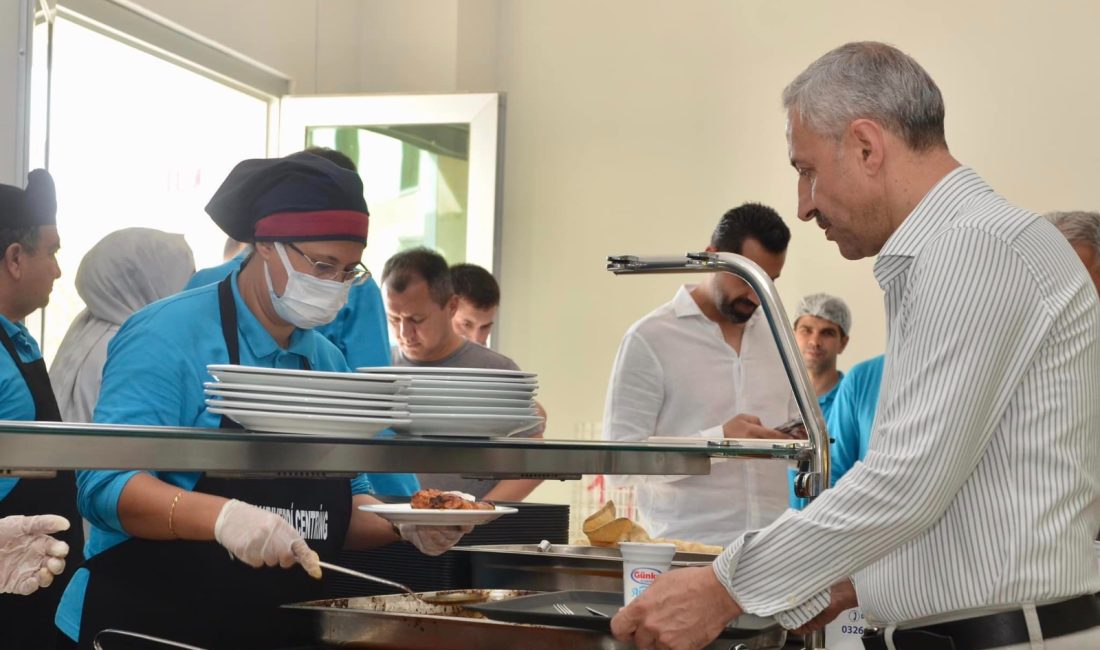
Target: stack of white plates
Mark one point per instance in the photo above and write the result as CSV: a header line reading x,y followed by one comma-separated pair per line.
x,y
465,401
306,401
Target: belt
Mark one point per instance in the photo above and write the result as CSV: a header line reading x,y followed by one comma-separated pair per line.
x,y
993,630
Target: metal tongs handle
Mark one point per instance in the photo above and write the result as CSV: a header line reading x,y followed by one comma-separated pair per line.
x,y
367,576
144,637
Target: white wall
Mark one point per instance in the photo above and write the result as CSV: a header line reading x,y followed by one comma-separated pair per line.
x,y
632,125
317,43
415,46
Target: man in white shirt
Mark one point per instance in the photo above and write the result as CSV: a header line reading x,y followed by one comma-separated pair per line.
x,y
970,522
706,365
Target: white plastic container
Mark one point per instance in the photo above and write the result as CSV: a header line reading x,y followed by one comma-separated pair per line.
x,y
642,563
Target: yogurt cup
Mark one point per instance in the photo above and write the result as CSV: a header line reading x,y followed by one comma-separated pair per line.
x,y
642,563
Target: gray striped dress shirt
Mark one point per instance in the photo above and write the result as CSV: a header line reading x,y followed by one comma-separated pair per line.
x,y
981,487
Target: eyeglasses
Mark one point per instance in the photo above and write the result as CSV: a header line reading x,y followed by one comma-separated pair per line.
x,y
358,274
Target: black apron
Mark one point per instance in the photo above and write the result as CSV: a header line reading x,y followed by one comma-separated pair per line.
x,y
27,621
194,592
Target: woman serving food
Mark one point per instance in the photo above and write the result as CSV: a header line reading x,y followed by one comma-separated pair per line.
x,y
153,565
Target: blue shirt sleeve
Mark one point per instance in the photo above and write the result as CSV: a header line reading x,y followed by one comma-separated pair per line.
x,y
203,277
844,429
138,388
853,415
360,331
16,402
394,485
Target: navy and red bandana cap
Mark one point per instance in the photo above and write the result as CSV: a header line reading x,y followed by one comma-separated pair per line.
x,y
302,197
27,208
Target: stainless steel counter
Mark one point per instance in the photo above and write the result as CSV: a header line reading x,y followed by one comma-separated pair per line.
x,y
26,447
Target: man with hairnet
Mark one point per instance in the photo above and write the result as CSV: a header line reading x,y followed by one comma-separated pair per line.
x,y
1082,231
821,327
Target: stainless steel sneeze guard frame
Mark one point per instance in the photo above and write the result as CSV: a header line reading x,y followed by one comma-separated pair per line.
x,y
814,471
817,478
26,447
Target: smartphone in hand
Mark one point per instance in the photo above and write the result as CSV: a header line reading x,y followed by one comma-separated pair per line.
x,y
794,428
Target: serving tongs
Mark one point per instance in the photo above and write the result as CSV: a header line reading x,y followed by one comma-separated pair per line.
x,y
143,637
458,597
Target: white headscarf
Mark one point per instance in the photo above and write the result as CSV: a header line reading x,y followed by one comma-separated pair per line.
x,y
125,271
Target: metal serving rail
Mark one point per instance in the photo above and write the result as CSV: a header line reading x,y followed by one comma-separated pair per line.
x,y
813,474
32,449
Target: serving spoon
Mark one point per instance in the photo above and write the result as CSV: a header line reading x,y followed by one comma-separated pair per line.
x,y
451,598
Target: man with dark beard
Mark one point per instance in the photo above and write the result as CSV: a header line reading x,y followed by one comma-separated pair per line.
x,y
706,365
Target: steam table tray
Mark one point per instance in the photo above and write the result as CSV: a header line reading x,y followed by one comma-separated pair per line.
x,y
539,609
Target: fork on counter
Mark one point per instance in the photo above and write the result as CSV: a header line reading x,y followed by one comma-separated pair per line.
x,y
562,608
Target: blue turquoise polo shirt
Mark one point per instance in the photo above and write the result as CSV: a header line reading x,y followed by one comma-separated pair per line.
x,y
826,403
156,367
16,402
853,415
361,333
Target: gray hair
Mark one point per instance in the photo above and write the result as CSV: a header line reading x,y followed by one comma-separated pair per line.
x,y
872,81
1079,227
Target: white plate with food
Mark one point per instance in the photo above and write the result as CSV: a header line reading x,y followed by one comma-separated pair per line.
x,y
268,421
229,404
352,382
267,391
436,371
488,426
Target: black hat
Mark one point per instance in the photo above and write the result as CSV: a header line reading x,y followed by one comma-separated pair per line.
x,y
34,206
302,197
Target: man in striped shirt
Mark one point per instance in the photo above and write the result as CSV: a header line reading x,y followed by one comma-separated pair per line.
x,y
970,522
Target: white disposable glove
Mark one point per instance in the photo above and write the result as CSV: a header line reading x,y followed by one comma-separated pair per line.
x,y
432,540
258,537
29,557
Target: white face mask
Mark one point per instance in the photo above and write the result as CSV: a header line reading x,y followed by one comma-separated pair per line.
x,y
307,302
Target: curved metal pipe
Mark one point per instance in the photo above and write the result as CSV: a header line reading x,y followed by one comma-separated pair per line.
x,y
817,477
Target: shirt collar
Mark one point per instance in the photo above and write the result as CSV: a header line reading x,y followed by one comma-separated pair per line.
x,y
829,394
259,341
932,215
21,337
684,305
10,328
